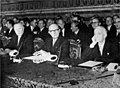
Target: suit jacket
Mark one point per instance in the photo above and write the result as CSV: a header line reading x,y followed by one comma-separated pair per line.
x,y
28,30
43,34
4,30
35,31
118,38
110,53
67,31
25,46
83,37
1,45
61,47
10,34
112,33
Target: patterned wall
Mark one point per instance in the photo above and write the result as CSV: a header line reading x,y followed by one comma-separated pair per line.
x,y
31,7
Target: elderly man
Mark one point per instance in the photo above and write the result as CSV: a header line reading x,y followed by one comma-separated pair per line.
x,y
101,49
21,42
56,44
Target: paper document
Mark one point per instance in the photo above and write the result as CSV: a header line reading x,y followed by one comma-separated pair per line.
x,y
90,63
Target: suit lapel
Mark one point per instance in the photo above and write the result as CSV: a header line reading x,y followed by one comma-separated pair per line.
x,y
98,51
57,43
105,49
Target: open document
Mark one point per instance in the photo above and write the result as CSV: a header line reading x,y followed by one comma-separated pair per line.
x,y
90,63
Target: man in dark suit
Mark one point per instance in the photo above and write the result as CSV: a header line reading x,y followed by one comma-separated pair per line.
x,y
10,32
64,30
111,29
56,44
79,35
33,26
21,41
43,31
101,49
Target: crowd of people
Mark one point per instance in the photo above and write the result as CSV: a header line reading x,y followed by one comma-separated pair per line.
x,y
100,39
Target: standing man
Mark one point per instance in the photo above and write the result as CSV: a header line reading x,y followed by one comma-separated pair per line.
x,y
43,31
111,29
10,32
64,30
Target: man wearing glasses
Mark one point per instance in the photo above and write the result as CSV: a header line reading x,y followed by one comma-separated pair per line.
x,y
56,44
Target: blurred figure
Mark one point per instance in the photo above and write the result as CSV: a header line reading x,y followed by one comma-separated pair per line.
x,y
78,34
10,32
27,26
4,27
110,27
101,49
33,26
64,30
15,19
22,22
115,17
49,22
117,24
43,31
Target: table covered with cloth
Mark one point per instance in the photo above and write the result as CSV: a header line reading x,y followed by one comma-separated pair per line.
x,y
46,75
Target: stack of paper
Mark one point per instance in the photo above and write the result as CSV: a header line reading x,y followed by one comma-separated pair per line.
x,y
90,63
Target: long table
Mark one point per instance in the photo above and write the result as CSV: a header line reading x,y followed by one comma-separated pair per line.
x,y
48,75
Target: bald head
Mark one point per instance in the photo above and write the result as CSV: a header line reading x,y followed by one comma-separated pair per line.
x,y
19,29
54,30
53,27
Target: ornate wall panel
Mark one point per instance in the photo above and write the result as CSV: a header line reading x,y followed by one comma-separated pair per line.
x,y
38,7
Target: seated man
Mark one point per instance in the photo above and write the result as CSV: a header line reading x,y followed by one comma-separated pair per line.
x,y
56,44
101,49
21,42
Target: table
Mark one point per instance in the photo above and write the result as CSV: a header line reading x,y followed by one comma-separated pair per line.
x,y
47,75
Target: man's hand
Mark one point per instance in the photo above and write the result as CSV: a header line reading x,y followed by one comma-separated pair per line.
x,y
41,52
13,53
8,51
94,42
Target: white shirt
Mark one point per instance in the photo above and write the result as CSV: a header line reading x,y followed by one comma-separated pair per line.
x,y
118,31
31,28
0,29
41,29
76,32
109,27
10,30
63,32
19,37
54,40
101,45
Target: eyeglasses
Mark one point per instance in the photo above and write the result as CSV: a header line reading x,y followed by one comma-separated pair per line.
x,y
95,22
117,22
53,30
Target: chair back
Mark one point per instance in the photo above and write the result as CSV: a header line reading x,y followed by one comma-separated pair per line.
x,y
75,50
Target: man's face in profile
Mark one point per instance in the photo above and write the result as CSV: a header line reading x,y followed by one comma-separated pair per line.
x,y
54,31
